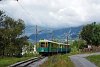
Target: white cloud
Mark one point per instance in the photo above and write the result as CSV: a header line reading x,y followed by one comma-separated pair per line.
x,y
54,13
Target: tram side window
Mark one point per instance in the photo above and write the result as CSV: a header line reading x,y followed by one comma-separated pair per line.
x,y
67,46
51,44
46,45
60,46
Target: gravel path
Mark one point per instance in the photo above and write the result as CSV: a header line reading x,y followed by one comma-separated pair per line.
x,y
37,63
80,61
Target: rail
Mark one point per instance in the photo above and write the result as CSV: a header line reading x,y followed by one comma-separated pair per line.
x,y
27,62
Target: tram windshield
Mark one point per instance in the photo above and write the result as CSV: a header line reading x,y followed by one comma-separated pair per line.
x,y
42,44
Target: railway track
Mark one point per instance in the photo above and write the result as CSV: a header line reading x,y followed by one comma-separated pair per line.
x,y
27,62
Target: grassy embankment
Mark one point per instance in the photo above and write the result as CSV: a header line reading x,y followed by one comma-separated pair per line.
x,y
6,61
58,61
95,59
61,60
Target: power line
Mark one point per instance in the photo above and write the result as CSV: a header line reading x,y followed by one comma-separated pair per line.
x,y
28,13
31,18
5,11
21,7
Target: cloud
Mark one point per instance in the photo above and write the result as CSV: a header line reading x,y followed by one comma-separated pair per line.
x,y
53,13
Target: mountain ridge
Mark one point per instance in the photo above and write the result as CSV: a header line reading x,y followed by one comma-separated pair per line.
x,y
57,33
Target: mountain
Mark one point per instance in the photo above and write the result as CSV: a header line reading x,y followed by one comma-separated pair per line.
x,y
30,29
59,34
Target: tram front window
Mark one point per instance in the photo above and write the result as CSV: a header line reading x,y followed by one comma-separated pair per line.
x,y
42,44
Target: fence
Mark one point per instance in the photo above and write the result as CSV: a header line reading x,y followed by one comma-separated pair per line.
x,y
92,49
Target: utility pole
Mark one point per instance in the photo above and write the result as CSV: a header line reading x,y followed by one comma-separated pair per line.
x,y
67,38
35,39
79,42
67,42
52,35
36,34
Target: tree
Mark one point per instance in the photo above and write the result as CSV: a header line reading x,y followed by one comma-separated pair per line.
x,y
11,36
2,16
91,34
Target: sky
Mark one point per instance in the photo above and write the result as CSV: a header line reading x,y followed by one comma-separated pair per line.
x,y
53,13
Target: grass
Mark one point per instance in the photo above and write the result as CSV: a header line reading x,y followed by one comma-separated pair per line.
x,y
95,59
6,61
61,60
58,61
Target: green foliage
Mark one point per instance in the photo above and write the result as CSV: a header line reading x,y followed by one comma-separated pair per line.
x,y
95,59
78,44
75,44
11,39
28,48
30,55
82,44
91,34
58,61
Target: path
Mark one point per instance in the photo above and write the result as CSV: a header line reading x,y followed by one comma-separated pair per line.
x,y
80,61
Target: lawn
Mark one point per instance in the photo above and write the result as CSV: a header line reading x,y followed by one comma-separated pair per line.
x,y
58,61
6,61
95,59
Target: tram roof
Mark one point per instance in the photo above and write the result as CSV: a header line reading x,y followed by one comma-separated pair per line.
x,y
60,43
63,44
45,40
51,42
67,44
